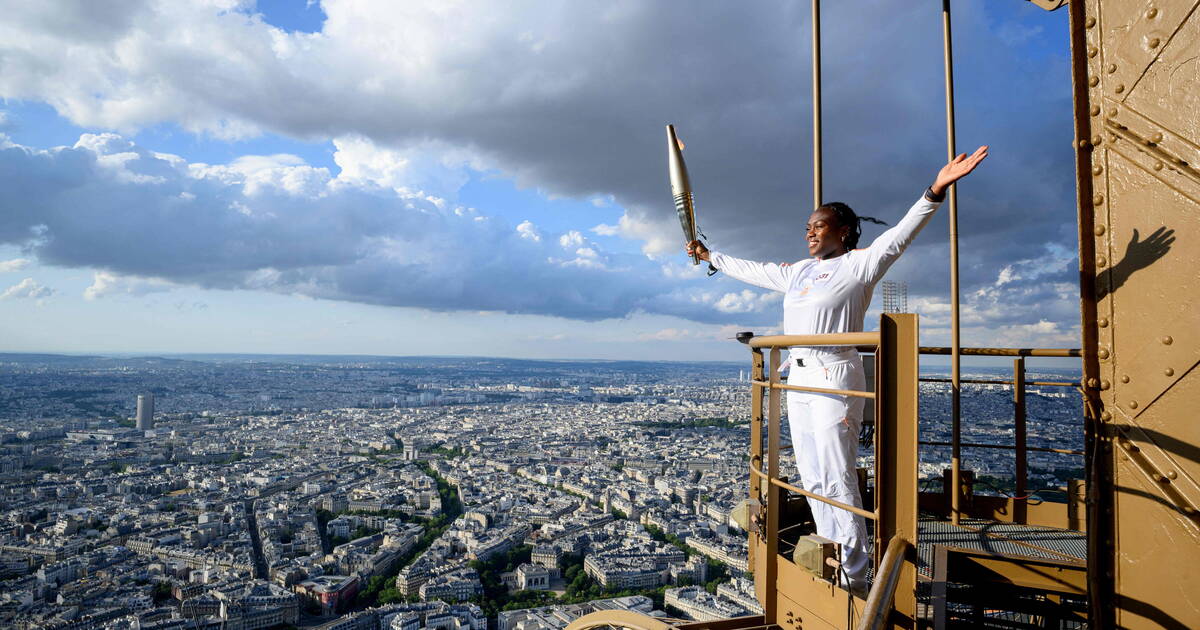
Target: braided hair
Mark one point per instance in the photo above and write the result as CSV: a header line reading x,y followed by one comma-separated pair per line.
x,y
845,216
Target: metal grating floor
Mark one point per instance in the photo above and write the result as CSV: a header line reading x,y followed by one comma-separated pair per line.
x,y
936,532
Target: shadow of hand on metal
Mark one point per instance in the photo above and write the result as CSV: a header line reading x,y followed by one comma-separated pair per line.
x,y
1138,255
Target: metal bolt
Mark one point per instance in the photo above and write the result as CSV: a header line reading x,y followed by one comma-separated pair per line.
x,y
1156,138
1112,112
1102,322
1102,353
1095,110
1151,13
1157,477
1101,261
1124,378
1105,415
1112,67
1096,170
1104,384
1092,50
1097,140
1169,372
1120,88
1133,404
1083,144
1154,42
1098,199
1090,22
1171,474
1094,81
1167,340
1158,166
1092,382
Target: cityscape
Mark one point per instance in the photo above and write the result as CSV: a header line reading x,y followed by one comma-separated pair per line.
x,y
243,491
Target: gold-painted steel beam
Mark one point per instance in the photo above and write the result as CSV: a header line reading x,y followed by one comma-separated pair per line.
x,y
801,491
835,339
879,600
619,619
1005,352
819,390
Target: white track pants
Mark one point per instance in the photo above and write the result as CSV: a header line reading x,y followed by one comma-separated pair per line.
x,y
825,438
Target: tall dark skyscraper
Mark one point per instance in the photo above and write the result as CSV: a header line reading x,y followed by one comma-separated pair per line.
x,y
145,412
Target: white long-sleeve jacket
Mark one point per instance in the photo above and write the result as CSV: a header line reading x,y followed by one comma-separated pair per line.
x,y
832,295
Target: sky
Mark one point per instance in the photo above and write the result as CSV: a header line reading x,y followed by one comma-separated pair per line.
x,y
489,178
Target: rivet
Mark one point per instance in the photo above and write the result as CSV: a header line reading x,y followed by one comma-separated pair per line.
x,y
1105,415
1102,322
1097,169
1133,404
1167,340
1158,166
1092,382
1104,384
1151,13
1124,378
1095,110
1112,112
1156,138
1094,81
1092,50
1154,42
1112,67
1169,372
1158,477
1083,144
1097,140
1098,199
1090,22
1102,353
1120,88
1101,261
1171,474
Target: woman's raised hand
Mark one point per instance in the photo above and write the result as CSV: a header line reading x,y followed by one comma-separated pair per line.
x,y
957,169
697,249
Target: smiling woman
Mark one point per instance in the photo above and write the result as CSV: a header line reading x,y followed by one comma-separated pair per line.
x,y
829,293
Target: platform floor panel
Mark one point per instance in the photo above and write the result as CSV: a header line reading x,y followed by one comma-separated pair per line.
x,y
974,534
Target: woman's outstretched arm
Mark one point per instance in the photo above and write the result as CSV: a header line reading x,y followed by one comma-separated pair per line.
x,y
766,275
872,263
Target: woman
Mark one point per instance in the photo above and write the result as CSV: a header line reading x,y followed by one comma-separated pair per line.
x,y
829,293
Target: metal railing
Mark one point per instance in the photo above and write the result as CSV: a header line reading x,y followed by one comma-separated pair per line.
x,y
1020,432
894,506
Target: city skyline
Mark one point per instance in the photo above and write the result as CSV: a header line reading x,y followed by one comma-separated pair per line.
x,y
344,177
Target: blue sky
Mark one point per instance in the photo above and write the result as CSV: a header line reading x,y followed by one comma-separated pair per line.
x,y
367,177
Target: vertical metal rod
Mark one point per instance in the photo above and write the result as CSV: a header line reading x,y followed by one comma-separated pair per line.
x,y
756,417
816,102
770,606
1019,427
955,344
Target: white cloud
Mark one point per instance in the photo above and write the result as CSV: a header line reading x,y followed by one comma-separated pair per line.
x,y
273,223
107,284
16,264
747,301
529,231
571,239
26,289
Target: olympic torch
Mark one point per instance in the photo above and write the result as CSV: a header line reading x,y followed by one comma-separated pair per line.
x,y
681,189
